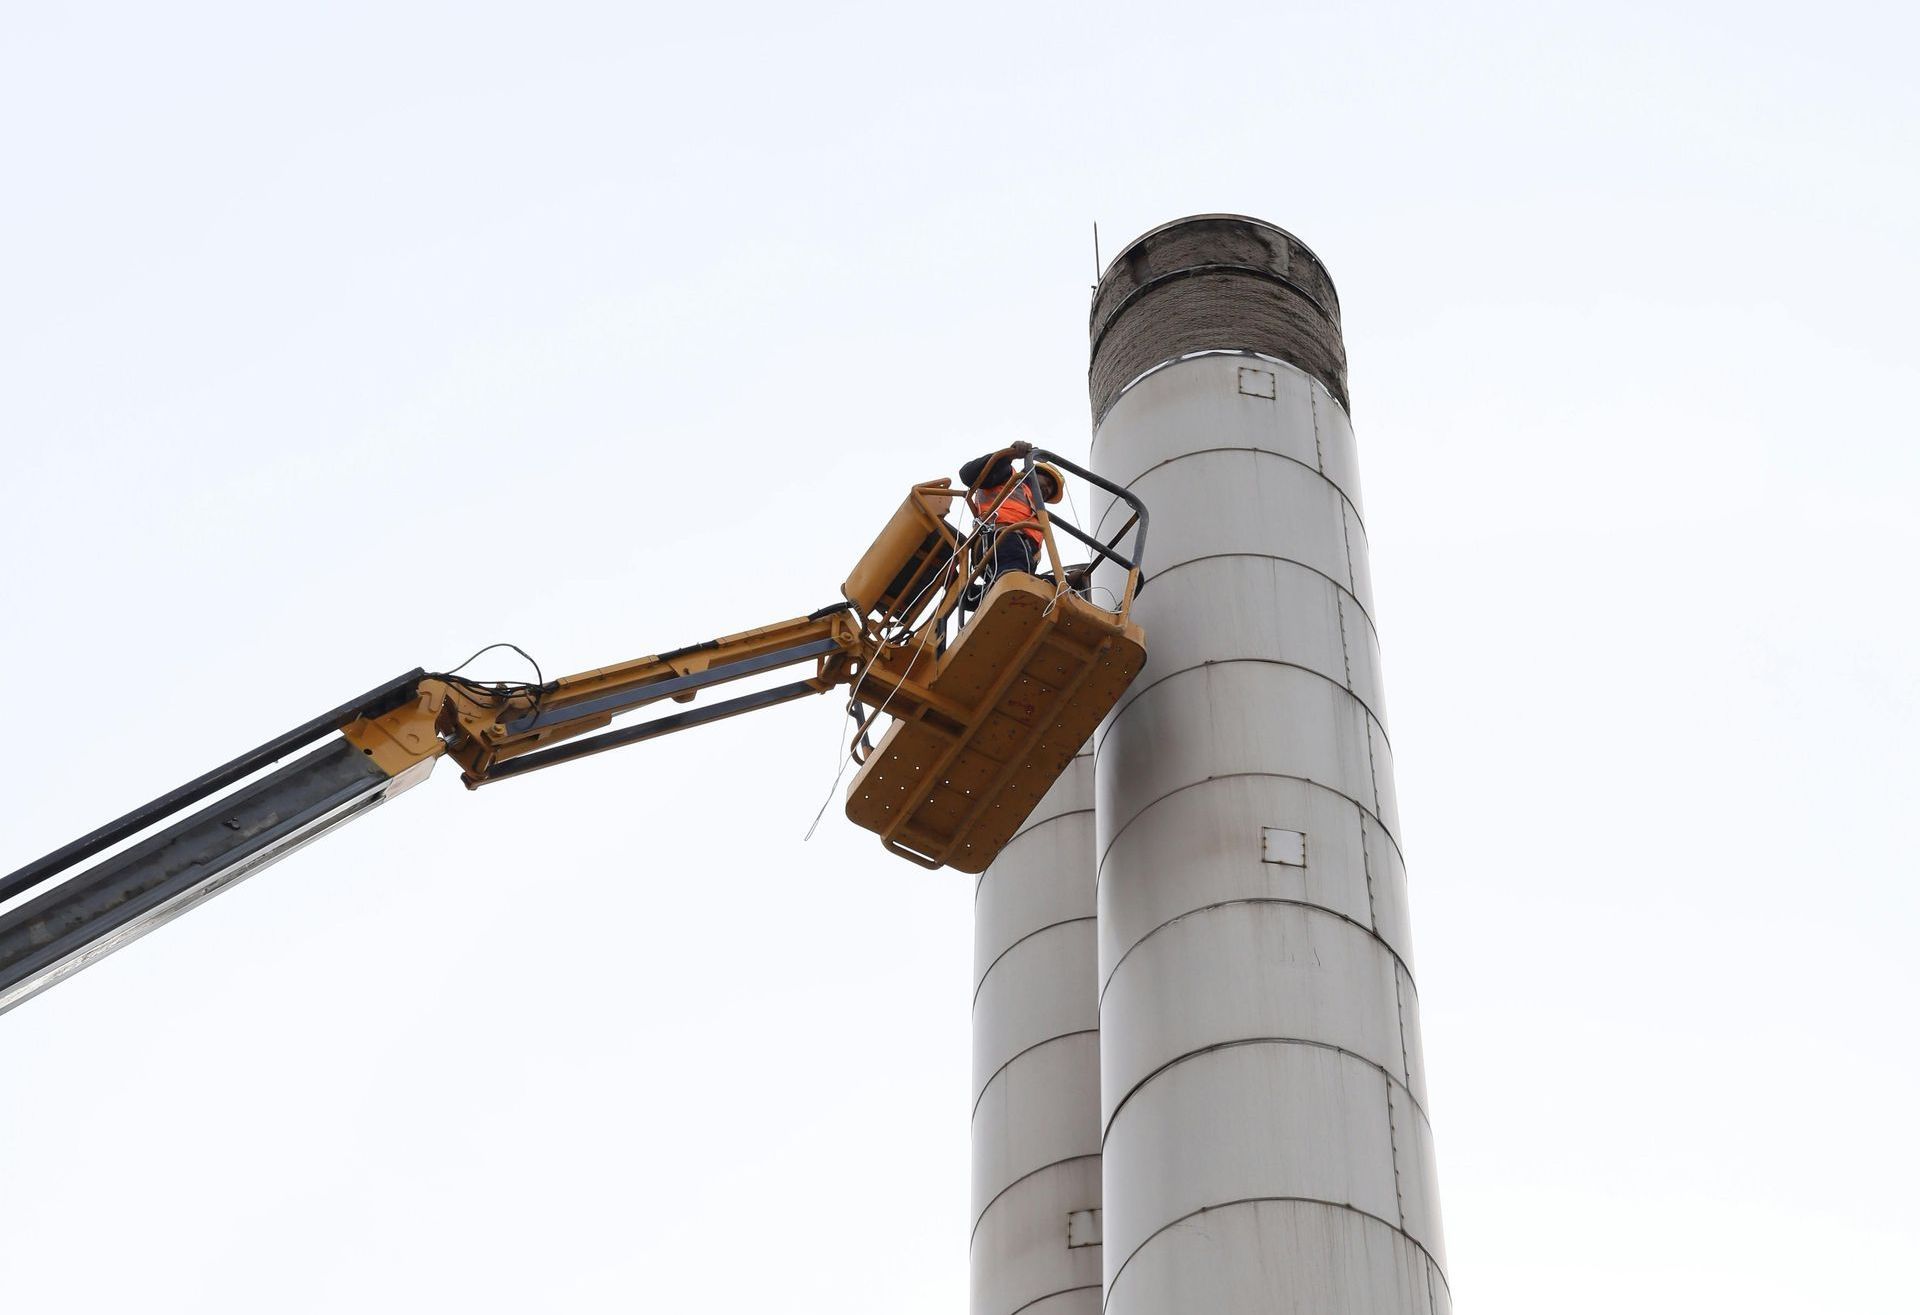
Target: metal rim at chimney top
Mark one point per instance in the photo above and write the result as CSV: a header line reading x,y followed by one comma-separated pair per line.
x,y
1209,216
1207,283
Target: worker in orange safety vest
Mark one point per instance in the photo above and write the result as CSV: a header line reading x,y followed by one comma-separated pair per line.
x,y
1007,548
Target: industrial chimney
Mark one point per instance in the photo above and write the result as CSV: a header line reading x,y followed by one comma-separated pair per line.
x,y
1262,1125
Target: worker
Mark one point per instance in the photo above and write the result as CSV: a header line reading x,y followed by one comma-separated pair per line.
x,y
1008,549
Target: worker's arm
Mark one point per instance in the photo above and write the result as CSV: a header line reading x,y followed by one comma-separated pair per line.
x,y
993,469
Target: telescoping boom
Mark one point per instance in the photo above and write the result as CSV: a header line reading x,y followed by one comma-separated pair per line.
x,y
990,686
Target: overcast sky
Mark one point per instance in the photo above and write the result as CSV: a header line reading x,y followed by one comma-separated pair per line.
x,y
336,340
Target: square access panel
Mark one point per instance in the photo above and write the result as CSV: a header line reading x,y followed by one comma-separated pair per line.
x,y
1288,848
1257,383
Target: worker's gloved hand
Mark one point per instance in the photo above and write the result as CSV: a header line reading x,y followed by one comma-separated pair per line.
x,y
1020,449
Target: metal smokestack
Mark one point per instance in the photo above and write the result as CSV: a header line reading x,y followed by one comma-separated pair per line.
x,y
1036,1066
1265,1140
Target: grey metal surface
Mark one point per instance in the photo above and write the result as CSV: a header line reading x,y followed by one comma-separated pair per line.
x,y
1036,1114
1301,421
98,911
1289,614
1247,1122
1041,989
1042,1109
1418,1181
1201,831
1241,715
1020,1257
1319,980
1017,897
1344,1260
1265,504
1265,1144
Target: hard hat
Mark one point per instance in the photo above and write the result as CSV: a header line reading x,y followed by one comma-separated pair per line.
x,y
1050,476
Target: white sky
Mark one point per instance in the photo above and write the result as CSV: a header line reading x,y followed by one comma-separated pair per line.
x,y
333,343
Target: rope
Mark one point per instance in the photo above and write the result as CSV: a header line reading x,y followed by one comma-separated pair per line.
x,y
844,749
878,713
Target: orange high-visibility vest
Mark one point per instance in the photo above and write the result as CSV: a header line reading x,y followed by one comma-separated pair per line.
x,y
1018,507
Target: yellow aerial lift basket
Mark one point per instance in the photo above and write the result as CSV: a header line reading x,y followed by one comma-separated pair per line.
x,y
984,725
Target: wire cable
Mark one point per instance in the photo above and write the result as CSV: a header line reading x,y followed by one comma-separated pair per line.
x,y
878,713
504,691
488,649
843,749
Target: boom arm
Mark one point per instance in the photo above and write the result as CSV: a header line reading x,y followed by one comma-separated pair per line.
x,y
381,744
495,735
992,710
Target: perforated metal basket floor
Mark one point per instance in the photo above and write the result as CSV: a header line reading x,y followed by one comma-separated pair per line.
x,y
1028,679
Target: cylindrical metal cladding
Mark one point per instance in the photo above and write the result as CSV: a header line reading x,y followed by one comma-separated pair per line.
x,y
1263,1126
1036,1066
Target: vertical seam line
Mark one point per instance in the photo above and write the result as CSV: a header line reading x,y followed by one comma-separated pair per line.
x,y
1366,867
1400,1017
1393,1150
1319,453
